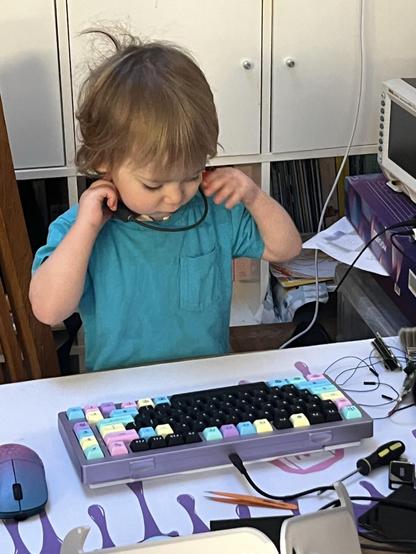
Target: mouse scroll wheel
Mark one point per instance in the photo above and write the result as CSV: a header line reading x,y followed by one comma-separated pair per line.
x,y
17,491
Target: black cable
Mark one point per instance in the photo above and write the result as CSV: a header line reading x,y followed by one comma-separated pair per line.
x,y
407,223
127,215
238,464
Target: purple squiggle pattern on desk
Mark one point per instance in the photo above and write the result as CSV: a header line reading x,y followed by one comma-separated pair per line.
x,y
13,530
150,527
303,368
97,514
188,503
359,509
51,543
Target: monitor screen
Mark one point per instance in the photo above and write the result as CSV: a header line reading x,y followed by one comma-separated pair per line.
x,y
402,139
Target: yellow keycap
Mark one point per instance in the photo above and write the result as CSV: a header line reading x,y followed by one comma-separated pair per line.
x,y
334,395
112,428
299,420
145,402
94,416
88,441
262,426
164,429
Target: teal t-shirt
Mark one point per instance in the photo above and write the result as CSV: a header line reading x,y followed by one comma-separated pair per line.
x,y
153,296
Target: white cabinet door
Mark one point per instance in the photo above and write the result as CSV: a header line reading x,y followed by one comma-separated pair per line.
x,y
314,100
220,34
29,83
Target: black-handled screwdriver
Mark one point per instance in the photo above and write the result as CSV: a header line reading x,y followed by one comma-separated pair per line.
x,y
384,454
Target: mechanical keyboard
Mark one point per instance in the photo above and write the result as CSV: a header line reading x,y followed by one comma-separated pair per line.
x,y
116,442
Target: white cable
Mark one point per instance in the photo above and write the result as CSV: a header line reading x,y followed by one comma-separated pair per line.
x,y
335,184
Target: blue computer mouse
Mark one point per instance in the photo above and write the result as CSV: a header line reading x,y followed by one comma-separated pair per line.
x,y
23,490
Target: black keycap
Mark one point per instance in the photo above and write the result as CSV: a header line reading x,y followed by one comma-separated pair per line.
x,y
331,414
192,436
181,428
138,445
282,423
174,439
289,388
130,426
157,442
315,417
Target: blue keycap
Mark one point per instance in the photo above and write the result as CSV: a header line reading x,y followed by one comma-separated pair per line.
x,y
161,400
123,412
299,382
147,432
84,433
276,383
212,434
351,412
113,420
75,413
246,428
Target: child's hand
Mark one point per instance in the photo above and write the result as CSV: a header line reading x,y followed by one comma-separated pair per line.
x,y
229,185
97,203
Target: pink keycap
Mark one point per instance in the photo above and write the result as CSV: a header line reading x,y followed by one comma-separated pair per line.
x,y
90,408
315,377
125,436
118,448
129,404
341,403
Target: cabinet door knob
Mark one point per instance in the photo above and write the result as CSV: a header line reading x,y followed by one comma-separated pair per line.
x,y
290,62
247,64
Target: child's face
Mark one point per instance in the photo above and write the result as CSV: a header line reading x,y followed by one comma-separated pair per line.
x,y
147,191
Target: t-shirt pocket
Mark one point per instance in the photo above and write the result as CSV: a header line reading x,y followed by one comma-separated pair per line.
x,y
198,281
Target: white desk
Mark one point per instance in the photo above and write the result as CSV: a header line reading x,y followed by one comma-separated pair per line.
x,y
128,514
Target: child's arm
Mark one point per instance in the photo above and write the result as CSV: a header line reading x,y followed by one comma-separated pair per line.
x,y
57,285
280,236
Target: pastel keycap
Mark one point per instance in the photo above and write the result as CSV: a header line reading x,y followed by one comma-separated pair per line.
x,y
114,428
341,403
229,430
124,419
84,433
125,436
85,442
147,433
332,395
93,453
164,430
246,428
81,426
316,377
106,408
117,448
94,416
351,412
120,412
277,383
161,400
75,412
128,404
299,420
145,402
262,426
212,434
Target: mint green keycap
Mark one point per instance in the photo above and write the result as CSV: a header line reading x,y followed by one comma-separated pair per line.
x,y
93,453
212,434
351,412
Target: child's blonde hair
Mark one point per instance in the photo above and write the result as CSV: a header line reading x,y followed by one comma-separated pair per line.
x,y
146,103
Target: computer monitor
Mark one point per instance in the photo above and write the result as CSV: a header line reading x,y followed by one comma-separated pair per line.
x,y
397,138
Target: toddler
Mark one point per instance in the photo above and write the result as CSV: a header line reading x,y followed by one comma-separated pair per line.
x,y
146,256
